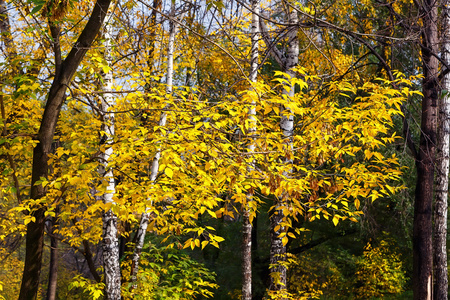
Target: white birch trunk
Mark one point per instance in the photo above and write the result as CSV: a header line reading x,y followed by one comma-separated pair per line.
x,y
277,251
110,244
442,168
247,226
143,225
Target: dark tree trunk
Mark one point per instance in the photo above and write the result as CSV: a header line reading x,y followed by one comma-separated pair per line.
x,y
152,35
56,96
425,162
53,270
87,253
33,256
125,240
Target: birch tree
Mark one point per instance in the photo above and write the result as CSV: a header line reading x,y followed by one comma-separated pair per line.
x,y
288,61
155,163
247,224
442,168
110,244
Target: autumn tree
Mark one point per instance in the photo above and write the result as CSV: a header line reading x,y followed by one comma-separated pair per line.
x,y
64,72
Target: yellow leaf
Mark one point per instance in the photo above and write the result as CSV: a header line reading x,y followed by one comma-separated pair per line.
x,y
187,243
168,172
335,220
391,189
357,204
219,239
204,243
378,155
276,110
212,214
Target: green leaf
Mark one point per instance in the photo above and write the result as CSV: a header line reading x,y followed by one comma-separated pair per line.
x,y
36,9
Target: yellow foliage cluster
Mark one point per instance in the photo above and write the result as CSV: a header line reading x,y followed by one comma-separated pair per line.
x,y
379,273
309,280
336,151
9,278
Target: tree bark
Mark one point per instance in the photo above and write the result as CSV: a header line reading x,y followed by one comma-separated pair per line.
x,y
152,35
55,99
246,222
442,169
87,253
246,257
425,163
110,245
278,278
53,270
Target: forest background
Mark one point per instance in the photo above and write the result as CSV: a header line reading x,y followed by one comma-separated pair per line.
x,y
224,149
